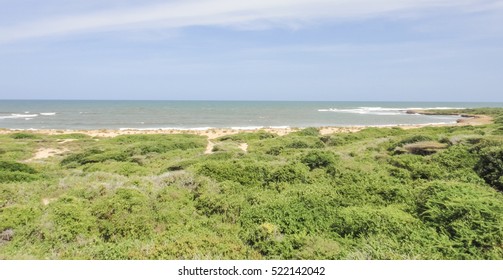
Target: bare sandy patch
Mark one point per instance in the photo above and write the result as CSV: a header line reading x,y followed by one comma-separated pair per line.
x,y
209,148
244,147
44,153
47,201
63,141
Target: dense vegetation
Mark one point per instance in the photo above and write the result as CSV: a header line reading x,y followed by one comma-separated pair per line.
x,y
381,193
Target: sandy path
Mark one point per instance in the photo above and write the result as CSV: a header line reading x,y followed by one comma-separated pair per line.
x,y
209,148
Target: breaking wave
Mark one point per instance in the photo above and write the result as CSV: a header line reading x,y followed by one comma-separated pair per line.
x,y
379,110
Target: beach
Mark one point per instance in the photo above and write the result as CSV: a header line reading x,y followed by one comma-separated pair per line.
x,y
213,133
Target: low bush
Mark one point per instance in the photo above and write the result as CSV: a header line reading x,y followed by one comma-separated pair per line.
x,y
247,173
292,173
362,221
419,167
17,172
124,214
68,219
470,215
490,167
319,159
24,135
16,166
17,216
310,131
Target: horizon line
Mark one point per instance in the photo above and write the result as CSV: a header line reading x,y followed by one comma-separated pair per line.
x,y
252,100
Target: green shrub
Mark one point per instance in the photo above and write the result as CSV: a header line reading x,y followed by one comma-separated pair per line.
x,y
419,167
319,248
69,218
7,177
133,148
266,238
17,172
310,131
292,173
16,166
78,159
455,158
78,136
220,200
274,151
24,135
144,143
490,167
124,214
246,136
122,168
319,159
17,216
298,144
365,221
335,140
470,215
247,173
292,214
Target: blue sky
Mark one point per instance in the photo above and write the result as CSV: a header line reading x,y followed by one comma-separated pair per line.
x,y
340,50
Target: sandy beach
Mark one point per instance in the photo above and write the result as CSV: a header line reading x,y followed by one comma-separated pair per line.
x,y
214,133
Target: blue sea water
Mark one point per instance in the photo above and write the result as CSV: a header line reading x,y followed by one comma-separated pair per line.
x,y
64,114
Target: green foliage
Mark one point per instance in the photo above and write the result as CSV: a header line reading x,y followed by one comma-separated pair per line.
x,y
456,158
310,131
365,221
319,159
415,139
490,166
16,172
17,216
129,148
245,137
470,215
293,212
144,144
122,168
268,240
296,142
69,219
24,135
223,200
73,136
16,167
246,173
292,173
125,213
417,166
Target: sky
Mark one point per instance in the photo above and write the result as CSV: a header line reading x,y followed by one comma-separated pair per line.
x,y
337,50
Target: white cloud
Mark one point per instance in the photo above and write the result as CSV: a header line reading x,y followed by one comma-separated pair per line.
x,y
232,13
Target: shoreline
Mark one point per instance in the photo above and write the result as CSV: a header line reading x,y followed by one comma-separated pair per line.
x,y
213,133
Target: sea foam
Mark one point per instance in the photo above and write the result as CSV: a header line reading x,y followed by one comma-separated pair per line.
x,y
19,116
380,110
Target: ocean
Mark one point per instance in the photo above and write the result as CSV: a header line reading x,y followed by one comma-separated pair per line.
x,y
200,115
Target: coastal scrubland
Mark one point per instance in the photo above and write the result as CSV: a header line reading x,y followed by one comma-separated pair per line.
x,y
379,193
